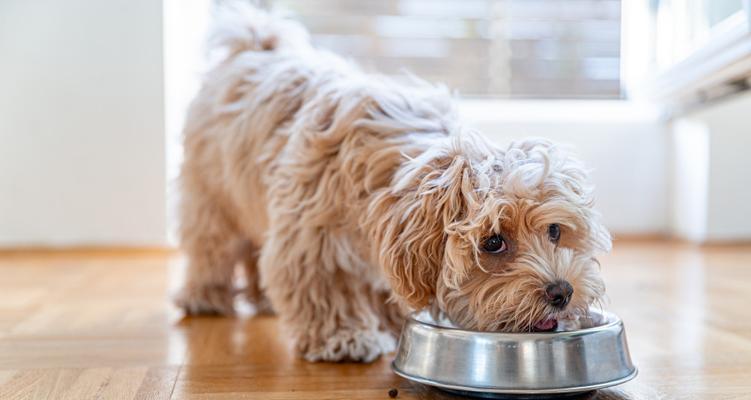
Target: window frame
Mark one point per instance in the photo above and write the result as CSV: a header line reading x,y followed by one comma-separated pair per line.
x,y
711,68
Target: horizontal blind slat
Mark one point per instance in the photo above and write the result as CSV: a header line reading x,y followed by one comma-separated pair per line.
x,y
511,48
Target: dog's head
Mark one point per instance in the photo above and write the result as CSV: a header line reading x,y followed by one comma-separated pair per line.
x,y
499,240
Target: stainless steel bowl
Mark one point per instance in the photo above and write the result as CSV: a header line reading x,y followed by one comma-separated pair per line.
x,y
487,363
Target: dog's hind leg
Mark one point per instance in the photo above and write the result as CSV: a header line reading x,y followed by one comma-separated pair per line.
x,y
208,239
326,306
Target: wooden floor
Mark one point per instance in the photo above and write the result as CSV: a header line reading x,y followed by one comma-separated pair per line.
x,y
98,325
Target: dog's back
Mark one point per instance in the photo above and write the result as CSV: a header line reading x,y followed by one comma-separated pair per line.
x,y
270,87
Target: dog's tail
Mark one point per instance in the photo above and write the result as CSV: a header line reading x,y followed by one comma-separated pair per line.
x,y
241,26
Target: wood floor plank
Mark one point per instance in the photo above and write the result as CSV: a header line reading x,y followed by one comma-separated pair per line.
x,y
158,383
6,375
122,384
30,384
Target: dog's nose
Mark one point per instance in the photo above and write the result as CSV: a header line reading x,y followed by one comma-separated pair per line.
x,y
558,294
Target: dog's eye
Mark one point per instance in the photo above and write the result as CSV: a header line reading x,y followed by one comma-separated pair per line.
x,y
554,233
494,244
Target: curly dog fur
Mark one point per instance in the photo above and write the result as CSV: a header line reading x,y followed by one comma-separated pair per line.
x,y
351,199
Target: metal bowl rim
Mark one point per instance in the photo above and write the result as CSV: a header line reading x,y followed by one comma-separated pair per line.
x,y
490,389
613,320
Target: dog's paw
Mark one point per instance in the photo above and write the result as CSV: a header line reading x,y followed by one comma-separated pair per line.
x,y
352,345
206,300
263,307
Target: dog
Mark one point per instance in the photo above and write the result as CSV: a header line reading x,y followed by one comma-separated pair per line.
x,y
351,199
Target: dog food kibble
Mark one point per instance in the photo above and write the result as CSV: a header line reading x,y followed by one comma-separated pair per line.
x,y
393,393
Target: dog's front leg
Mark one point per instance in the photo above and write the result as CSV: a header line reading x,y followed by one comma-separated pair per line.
x,y
328,310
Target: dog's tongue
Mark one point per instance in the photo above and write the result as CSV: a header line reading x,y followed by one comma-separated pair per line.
x,y
546,325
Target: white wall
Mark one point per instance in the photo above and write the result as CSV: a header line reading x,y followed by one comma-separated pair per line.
x,y
81,123
713,177
729,122
689,179
624,144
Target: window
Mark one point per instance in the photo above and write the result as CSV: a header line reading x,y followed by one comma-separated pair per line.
x,y
481,48
684,27
697,50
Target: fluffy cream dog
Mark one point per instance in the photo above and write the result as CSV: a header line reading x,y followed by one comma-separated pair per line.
x,y
350,199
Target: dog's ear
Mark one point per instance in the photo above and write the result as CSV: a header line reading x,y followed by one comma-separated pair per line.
x,y
410,221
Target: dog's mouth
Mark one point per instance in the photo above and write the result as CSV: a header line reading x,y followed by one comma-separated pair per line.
x,y
545,325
